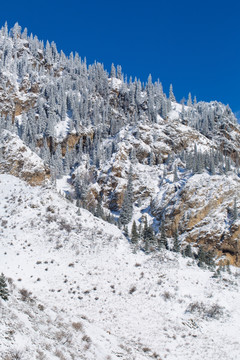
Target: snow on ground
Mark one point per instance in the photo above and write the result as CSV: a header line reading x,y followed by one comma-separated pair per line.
x,y
82,270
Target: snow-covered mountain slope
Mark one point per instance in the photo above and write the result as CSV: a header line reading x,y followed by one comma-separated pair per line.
x,y
93,297
96,127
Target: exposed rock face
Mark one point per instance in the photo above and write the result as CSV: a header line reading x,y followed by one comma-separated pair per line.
x,y
200,206
202,211
18,160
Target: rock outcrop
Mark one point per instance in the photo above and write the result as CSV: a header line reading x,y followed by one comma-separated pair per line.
x,y
18,160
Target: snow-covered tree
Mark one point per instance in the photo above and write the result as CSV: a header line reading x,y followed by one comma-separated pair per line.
x,y
171,94
127,205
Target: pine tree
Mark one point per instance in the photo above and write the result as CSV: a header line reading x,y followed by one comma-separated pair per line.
x,y
127,206
162,241
148,236
134,233
119,72
209,259
188,251
113,71
99,210
176,243
171,94
4,294
189,102
201,257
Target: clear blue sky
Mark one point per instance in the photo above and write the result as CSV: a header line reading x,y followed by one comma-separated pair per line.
x,y
195,45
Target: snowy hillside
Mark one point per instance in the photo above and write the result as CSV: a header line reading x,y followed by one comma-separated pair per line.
x,y
90,296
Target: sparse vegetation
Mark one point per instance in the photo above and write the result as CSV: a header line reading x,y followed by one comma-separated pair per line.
x,y
213,311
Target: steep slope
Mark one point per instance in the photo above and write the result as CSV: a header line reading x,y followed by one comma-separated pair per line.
x,y
94,298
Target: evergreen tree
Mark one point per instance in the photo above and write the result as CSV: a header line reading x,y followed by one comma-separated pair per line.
x,y
145,235
189,102
188,251
201,257
176,243
127,206
209,259
119,72
125,231
113,71
99,210
171,94
162,241
148,236
4,294
134,233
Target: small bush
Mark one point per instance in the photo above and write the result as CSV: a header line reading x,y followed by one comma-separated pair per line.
x,y
87,339
50,209
137,265
60,355
166,295
40,307
132,290
26,295
15,355
77,326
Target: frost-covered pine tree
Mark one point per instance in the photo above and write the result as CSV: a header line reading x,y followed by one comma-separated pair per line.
x,y
127,205
171,94
189,102
113,71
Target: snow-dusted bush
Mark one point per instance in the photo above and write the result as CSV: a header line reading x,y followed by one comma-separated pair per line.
x,y
213,311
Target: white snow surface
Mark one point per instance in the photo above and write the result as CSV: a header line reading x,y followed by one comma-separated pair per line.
x,y
93,297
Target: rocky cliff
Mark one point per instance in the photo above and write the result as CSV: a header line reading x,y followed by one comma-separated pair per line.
x,y
98,128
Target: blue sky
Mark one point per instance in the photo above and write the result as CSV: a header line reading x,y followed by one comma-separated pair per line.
x,y
195,45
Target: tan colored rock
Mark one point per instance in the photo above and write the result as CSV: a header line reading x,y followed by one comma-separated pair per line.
x,y
201,214
18,160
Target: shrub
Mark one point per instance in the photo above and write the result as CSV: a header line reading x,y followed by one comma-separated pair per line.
x,y
213,311
132,290
77,326
166,295
26,295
